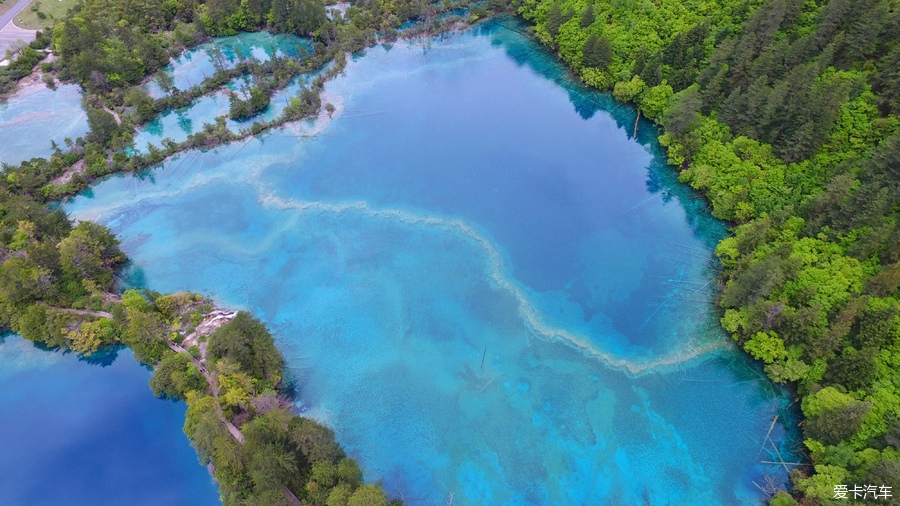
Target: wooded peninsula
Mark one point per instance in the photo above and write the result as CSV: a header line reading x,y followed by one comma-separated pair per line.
x,y
784,114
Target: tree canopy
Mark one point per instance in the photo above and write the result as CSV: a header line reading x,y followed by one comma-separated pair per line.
x,y
245,341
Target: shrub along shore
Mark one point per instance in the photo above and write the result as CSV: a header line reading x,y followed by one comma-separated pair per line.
x,y
783,113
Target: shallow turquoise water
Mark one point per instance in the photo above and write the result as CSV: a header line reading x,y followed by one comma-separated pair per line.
x,y
35,116
196,64
481,281
178,124
193,66
73,432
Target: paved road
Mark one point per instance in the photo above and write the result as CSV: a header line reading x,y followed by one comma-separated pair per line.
x,y
9,32
12,13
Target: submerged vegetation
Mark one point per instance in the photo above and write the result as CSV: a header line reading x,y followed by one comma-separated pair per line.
x,y
784,113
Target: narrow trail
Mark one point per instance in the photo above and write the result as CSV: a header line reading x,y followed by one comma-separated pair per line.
x,y
213,387
112,113
82,312
211,322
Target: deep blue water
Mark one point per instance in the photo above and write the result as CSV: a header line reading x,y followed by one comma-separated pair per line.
x,y
481,280
73,432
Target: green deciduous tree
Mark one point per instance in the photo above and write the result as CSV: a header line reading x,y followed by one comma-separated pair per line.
x,y
368,495
246,343
766,346
628,91
90,251
175,376
655,101
90,336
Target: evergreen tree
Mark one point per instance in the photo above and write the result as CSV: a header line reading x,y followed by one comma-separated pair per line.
x,y
597,52
103,125
246,342
587,16
554,19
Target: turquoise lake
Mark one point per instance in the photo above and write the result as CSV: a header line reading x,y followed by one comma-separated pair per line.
x,y
480,278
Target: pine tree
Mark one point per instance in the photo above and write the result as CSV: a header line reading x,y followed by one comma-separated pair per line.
x,y
597,52
554,19
587,17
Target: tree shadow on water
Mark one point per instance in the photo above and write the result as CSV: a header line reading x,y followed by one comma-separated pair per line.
x,y
103,357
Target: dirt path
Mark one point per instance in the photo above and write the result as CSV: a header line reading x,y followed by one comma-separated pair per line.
x,y
235,432
113,113
65,177
82,312
212,321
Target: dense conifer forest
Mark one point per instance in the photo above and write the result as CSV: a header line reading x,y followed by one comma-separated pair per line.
x,y
785,114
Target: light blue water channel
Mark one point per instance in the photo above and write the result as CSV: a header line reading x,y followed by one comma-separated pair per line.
x,y
486,286
193,66
196,64
37,115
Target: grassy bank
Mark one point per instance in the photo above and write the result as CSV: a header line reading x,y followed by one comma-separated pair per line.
x,y
42,14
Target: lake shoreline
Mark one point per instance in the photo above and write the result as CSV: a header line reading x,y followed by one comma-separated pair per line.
x,y
185,170
222,142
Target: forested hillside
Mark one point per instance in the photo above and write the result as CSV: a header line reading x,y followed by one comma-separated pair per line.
x,y
105,44
784,113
